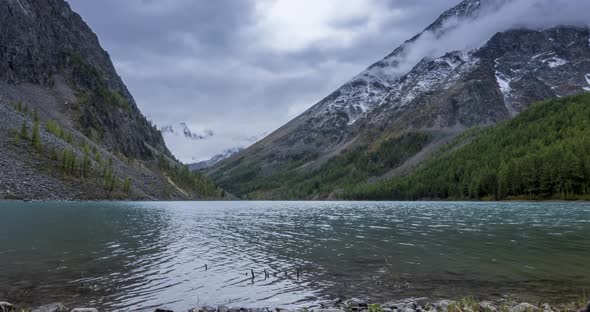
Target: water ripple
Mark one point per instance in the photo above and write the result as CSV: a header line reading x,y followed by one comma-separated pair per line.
x,y
137,256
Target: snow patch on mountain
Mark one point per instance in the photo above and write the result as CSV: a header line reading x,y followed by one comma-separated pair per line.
x,y
547,53
554,62
356,97
430,75
504,81
587,76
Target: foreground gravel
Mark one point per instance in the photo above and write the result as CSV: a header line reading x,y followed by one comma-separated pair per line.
x,y
356,305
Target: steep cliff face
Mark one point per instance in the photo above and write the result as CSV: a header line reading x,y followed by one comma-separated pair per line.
x,y
441,96
69,128
44,43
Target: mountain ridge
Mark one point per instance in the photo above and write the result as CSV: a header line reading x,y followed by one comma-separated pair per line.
x,y
443,95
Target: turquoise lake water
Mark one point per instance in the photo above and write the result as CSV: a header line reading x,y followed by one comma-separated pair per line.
x,y
139,255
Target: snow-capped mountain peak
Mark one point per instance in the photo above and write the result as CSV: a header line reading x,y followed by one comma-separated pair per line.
x,y
215,159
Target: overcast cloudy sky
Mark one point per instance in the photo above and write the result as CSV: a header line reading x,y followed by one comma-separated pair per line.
x,y
243,68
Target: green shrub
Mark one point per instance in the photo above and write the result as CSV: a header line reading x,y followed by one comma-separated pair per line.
x,y
375,308
54,128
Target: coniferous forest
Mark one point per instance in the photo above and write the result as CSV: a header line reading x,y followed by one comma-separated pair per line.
x,y
544,153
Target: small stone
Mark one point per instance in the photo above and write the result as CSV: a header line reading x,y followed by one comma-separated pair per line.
x,y
587,307
487,306
395,305
222,308
84,310
53,307
357,304
7,307
336,302
546,307
328,310
163,310
203,309
523,307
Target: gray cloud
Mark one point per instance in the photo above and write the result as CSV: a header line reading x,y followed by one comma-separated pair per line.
x,y
244,68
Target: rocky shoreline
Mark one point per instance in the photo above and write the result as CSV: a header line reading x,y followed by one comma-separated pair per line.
x,y
355,305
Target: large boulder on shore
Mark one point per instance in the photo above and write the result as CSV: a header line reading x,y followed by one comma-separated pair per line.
x,y
7,307
524,307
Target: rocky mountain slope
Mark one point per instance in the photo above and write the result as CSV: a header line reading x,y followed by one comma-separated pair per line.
x,y
70,129
432,100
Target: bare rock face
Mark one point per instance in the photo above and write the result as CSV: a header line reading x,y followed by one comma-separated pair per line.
x,y
44,43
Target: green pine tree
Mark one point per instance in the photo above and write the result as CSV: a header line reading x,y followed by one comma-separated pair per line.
x,y
17,138
86,164
53,154
36,137
24,132
127,185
